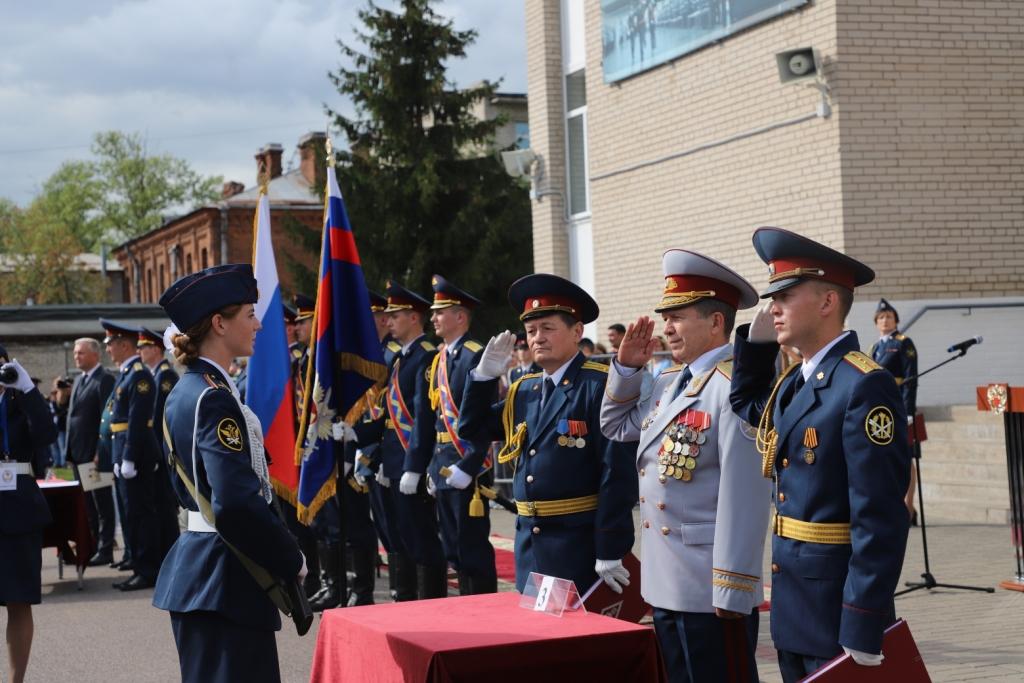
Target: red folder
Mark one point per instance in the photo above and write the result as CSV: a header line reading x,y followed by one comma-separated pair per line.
x,y
627,605
902,663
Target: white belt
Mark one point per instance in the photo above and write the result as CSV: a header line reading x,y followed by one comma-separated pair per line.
x,y
19,467
197,523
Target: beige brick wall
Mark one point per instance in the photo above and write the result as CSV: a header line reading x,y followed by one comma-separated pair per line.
x,y
547,132
932,140
917,172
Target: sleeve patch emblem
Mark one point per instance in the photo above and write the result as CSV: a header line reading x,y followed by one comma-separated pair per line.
x,y
165,386
748,430
880,426
229,434
143,387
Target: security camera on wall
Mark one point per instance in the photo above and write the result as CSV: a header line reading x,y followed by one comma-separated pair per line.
x,y
518,162
798,66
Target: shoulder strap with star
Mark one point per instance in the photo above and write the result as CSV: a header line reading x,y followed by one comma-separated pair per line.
x,y
862,362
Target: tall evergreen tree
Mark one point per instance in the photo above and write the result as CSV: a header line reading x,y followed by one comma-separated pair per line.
x,y
422,182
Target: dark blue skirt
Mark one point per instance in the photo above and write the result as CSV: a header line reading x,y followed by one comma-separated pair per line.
x,y
21,564
213,649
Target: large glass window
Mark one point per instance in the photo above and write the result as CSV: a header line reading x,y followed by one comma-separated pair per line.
x,y
637,35
576,141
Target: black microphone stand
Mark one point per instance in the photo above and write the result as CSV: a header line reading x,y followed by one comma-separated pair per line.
x,y
929,581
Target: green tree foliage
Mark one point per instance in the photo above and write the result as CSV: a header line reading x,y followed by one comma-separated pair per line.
x,y
423,187
137,189
122,193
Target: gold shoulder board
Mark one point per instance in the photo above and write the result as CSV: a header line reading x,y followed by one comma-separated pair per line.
x,y
899,337
725,367
137,366
394,346
473,346
591,365
427,346
862,362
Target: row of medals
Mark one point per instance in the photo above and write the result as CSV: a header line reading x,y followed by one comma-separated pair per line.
x,y
677,457
571,441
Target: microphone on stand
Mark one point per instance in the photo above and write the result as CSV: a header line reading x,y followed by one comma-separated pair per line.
x,y
964,345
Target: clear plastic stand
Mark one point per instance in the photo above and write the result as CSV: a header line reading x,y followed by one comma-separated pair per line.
x,y
550,594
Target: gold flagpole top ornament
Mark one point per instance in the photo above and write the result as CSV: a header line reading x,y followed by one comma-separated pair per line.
x,y
263,177
330,151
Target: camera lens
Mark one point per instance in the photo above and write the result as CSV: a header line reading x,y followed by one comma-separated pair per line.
x,y
8,375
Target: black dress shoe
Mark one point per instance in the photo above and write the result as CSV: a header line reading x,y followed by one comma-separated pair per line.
x,y
97,560
120,584
136,583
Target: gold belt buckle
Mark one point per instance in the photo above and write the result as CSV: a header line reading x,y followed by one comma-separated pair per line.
x,y
531,508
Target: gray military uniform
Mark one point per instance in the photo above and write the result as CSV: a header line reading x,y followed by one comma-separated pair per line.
x,y
703,529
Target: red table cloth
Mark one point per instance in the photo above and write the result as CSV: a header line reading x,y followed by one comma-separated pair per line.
x,y
480,638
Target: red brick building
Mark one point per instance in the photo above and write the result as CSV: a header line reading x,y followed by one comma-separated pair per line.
x,y
222,232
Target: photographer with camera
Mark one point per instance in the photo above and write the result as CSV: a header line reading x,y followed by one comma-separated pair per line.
x,y
26,431
60,396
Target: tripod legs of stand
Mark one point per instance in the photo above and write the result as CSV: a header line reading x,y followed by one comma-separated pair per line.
x,y
929,581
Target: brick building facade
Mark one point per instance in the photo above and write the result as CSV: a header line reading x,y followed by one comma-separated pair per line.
x,y
222,232
917,171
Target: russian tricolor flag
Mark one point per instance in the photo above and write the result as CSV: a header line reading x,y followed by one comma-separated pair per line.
x,y
269,392
347,357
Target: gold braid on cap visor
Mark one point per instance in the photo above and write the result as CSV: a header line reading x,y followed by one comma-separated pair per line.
x,y
797,272
677,299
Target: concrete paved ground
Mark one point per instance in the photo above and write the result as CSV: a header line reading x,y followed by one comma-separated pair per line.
x,y
102,635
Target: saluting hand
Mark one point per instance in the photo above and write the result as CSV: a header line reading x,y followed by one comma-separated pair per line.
x,y
495,357
762,328
638,344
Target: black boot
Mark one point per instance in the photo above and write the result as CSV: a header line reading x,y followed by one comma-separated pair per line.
x,y
364,562
403,572
465,584
431,582
321,551
330,596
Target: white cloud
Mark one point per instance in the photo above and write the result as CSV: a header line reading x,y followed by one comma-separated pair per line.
x,y
207,81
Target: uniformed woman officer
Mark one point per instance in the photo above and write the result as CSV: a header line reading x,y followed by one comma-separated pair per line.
x,y
222,620
26,431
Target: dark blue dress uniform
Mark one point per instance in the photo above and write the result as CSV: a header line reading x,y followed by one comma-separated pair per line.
x,y
413,531
164,379
465,525
575,500
223,622
135,441
26,430
836,445
896,353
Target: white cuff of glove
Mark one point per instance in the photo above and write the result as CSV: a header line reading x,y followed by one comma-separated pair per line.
x,y
23,383
408,483
865,658
431,487
128,470
381,479
303,570
342,431
495,357
612,573
360,479
457,478
117,470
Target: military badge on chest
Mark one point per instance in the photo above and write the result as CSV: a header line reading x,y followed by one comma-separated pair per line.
x,y
571,433
810,443
680,447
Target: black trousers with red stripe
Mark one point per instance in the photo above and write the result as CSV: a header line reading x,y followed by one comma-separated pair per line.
x,y
699,647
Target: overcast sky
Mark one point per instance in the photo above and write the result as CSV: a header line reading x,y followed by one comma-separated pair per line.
x,y
209,81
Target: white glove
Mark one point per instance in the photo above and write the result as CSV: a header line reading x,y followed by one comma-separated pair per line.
x,y
762,327
431,487
613,573
346,469
360,479
342,431
382,480
494,359
128,470
458,479
865,658
24,382
409,482
910,419
303,570
156,466
117,469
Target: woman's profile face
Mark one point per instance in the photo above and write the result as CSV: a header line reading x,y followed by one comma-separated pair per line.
x,y
240,331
